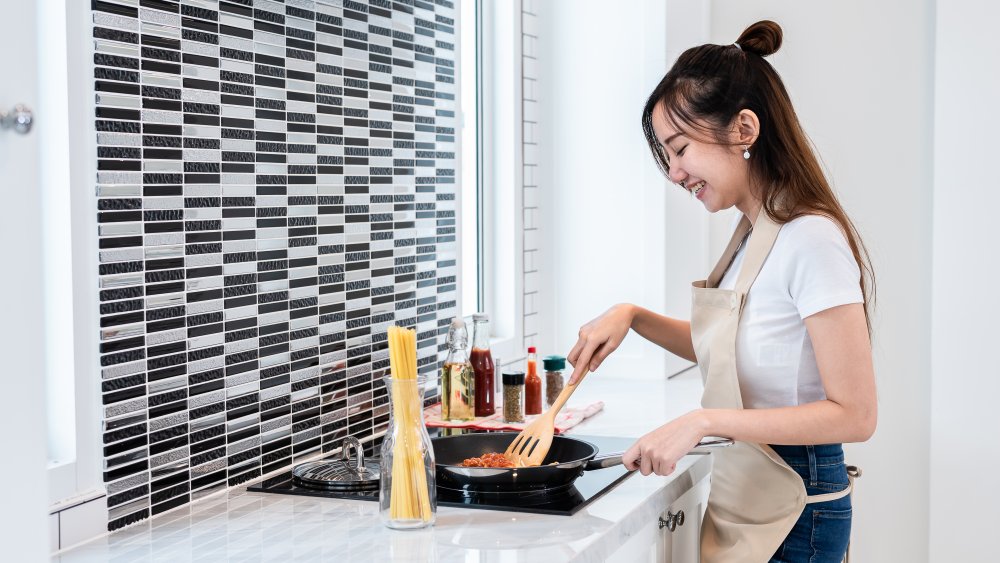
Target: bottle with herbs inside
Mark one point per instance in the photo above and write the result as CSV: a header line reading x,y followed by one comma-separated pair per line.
x,y
458,384
513,396
482,365
554,366
532,385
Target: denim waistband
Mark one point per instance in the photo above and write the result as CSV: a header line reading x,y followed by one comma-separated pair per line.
x,y
818,455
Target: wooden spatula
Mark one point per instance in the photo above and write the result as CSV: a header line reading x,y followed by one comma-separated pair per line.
x,y
532,444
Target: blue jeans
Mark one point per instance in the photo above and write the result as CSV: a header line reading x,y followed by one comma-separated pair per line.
x,y
823,531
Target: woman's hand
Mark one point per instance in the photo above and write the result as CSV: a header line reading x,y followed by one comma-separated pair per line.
x,y
598,338
658,451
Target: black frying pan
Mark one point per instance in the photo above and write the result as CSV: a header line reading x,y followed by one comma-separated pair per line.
x,y
573,457
567,459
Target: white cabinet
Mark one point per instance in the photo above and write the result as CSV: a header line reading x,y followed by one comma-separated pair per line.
x,y
680,526
670,538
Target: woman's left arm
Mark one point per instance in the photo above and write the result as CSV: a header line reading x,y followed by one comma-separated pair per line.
x,y
840,340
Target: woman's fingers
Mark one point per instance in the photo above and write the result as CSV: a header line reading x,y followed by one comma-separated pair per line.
x,y
602,353
582,366
630,459
575,352
646,465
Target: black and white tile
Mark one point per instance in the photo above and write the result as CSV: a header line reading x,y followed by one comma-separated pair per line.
x,y
275,187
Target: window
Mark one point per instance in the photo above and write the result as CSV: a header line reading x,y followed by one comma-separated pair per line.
x,y
490,235
68,164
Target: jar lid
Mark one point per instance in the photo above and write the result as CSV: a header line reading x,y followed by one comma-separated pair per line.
x,y
554,363
340,474
480,317
513,378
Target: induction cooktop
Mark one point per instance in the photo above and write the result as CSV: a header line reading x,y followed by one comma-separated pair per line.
x,y
564,501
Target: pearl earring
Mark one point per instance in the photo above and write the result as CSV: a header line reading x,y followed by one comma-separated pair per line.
x,y
746,153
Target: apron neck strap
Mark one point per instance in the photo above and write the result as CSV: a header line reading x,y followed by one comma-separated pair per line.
x,y
765,232
729,254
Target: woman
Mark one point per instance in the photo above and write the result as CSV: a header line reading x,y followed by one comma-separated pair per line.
x,y
779,329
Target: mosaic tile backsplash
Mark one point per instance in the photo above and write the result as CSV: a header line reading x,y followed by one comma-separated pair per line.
x,y
275,187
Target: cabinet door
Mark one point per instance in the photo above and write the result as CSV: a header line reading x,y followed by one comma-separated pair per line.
x,y
683,543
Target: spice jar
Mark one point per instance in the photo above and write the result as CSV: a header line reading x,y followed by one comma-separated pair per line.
x,y
513,396
553,377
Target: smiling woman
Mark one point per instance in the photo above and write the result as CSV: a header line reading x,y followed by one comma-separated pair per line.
x,y
779,328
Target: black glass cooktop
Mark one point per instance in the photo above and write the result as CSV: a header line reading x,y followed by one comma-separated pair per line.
x,y
565,501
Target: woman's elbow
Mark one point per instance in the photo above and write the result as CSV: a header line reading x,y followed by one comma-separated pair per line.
x,y
864,427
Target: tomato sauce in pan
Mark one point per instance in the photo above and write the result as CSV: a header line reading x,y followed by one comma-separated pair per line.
x,y
491,459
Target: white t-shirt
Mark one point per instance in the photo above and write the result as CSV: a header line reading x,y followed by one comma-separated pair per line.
x,y
810,269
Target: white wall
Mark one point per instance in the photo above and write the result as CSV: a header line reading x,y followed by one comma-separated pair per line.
x,y
606,211
965,380
861,77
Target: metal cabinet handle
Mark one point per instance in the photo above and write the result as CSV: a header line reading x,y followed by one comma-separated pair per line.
x,y
19,119
672,520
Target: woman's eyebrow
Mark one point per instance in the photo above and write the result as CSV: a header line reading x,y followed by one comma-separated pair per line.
x,y
671,138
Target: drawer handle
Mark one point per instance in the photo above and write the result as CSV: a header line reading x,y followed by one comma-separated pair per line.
x,y
19,119
672,520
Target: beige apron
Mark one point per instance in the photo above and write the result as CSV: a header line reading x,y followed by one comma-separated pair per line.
x,y
755,497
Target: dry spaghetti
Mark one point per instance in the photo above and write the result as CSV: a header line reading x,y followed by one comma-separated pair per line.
x,y
409,494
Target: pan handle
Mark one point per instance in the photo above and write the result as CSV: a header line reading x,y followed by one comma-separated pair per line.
x,y
601,461
615,458
710,443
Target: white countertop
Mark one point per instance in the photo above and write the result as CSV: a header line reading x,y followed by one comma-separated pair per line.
x,y
242,526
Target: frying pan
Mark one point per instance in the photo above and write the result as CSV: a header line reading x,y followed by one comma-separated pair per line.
x,y
567,459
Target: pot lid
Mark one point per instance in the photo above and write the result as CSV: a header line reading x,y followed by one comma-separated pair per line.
x,y
340,474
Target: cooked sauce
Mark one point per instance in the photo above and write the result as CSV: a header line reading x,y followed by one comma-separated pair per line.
x,y
491,459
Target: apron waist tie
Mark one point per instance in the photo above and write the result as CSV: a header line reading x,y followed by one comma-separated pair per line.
x,y
852,473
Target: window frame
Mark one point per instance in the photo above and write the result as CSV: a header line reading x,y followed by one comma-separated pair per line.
x,y
79,480
499,235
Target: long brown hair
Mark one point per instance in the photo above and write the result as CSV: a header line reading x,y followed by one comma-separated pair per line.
x,y
705,90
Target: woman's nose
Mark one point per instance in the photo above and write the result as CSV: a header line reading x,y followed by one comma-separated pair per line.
x,y
676,176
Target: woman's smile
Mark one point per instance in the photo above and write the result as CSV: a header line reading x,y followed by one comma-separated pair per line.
x,y
698,190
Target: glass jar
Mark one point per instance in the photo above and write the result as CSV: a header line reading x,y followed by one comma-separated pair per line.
x,y
407,496
553,377
482,365
513,396
458,385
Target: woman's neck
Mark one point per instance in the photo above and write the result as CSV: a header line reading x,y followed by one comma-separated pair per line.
x,y
751,208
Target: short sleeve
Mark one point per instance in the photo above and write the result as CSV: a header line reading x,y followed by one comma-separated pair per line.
x,y
820,267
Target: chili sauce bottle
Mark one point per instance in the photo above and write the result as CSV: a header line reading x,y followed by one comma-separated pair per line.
x,y
482,365
532,385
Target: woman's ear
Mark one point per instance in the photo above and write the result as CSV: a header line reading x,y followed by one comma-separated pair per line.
x,y
746,127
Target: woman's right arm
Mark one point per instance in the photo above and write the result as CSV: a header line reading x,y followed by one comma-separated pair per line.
x,y
601,336
672,334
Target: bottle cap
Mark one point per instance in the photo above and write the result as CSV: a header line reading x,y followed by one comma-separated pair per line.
x,y
513,378
554,363
476,317
457,322
531,349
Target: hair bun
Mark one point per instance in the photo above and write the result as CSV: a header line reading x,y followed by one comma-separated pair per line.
x,y
762,38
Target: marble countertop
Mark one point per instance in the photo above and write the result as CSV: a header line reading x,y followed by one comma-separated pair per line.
x,y
246,526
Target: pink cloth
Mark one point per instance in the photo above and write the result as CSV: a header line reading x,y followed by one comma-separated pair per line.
x,y
567,418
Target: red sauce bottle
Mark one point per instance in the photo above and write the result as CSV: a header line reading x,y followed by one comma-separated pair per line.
x,y
532,386
482,365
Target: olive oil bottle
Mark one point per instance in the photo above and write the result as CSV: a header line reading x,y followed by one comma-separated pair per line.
x,y
458,381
